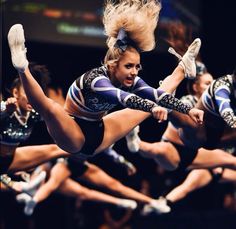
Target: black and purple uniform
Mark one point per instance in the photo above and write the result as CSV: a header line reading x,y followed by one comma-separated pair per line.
x,y
94,94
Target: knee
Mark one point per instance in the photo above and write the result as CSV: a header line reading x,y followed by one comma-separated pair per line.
x,y
166,157
160,149
114,184
85,193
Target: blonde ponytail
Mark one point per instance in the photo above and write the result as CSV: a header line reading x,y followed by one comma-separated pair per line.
x,y
138,18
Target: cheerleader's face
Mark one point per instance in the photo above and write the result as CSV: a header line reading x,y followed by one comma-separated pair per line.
x,y
202,84
127,68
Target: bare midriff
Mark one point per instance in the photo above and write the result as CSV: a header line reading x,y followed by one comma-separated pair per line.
x,y
75,110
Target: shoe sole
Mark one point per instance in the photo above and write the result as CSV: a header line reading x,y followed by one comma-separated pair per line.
x,y
197,42
16,36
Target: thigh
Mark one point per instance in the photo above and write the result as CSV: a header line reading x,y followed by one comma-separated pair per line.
x,y
118,124
27,157
212,159
72,188
97,176
64,130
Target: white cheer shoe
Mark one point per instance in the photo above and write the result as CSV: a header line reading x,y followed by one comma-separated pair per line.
x,y
16,41
187,61
158,206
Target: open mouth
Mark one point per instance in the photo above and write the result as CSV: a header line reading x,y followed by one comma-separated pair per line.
x,y
129,79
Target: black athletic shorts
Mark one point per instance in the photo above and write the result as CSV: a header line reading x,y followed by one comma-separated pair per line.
x,y
186,154
93,132
77,167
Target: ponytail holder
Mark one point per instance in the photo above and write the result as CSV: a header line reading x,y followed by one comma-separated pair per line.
x,y
123,41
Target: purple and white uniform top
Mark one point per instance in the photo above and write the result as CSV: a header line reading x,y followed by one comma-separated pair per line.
x,y
94,93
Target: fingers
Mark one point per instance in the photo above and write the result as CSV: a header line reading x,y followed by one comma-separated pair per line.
x,y
162,117
201,115
160,113
11,104
11,100
199,121
197,115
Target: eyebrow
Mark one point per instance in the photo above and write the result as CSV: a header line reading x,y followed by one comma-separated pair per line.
x,y
132,64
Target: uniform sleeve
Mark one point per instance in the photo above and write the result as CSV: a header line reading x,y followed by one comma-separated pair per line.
x,y
189,99
103,86
162,98
222,99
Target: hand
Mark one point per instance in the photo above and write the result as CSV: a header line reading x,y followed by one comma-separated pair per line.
x,y
11,105
160,113
196,115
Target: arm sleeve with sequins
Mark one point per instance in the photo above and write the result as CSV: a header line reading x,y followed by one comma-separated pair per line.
x,y
162,98
222,99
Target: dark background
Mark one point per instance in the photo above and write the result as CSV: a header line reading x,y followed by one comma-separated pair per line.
x,y
202,209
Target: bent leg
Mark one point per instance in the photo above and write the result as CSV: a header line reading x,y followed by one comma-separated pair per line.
x,y
196,179
58,174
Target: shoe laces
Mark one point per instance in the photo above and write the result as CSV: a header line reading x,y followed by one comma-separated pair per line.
x,y
173,52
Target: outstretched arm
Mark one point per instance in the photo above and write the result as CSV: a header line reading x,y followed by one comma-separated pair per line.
x,y
165,99
162,95
103,86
